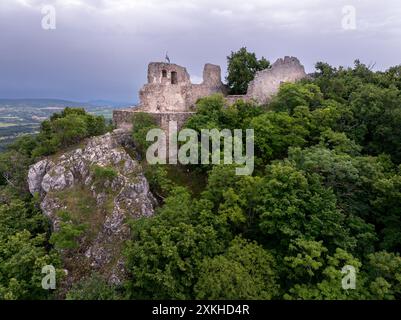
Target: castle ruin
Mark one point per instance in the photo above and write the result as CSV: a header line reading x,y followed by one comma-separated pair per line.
x,y
169,94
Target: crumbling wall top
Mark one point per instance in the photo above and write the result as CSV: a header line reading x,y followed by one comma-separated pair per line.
x,y
169,89
267,82
212,75
167,73
286,61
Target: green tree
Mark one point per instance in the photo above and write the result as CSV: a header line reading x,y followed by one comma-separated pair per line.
x,y
293,204
67,128
377,120
241,69
166,252
244,271
68,234
22,257
384,271
19,215
142,123
14,170
292,95
387,217
94,287
317,275
274,133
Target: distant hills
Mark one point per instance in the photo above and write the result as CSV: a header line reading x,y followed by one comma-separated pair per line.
x,y
23,116
63,103
104,103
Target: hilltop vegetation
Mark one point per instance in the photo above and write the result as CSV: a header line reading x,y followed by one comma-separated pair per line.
x,y
24,230
23,116
325,193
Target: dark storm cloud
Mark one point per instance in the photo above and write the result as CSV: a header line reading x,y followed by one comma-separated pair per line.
x,y
100,48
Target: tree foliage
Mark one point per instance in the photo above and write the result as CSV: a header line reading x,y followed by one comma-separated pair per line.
x,y
25,246
325,194
142,123
241,69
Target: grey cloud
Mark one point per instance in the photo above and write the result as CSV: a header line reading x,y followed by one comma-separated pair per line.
x,y
101,48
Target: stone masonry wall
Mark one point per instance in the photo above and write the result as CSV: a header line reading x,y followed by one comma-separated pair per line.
x,y
123,118
170,95
169,88
267,82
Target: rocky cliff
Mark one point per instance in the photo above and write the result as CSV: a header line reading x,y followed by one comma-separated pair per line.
x,y
99,186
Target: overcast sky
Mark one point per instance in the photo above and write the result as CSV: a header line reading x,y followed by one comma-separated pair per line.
x,y
100,48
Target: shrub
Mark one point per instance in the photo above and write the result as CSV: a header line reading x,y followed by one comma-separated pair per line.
x,y
142,123
68,234
103,174
94,287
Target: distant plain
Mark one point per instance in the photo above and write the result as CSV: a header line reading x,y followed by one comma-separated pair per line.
x,y
24,116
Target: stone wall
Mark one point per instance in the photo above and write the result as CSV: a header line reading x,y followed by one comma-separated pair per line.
x,y
163,119
169,88
267,82
161,73
170,95
231,99
123,119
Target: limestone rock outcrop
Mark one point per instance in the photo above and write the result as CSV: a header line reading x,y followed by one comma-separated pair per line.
x,y
68,182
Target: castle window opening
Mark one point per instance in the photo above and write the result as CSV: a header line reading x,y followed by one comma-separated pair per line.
x,y
174,79
164,73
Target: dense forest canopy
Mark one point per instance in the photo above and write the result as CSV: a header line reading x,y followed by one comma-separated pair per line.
x,y
325,193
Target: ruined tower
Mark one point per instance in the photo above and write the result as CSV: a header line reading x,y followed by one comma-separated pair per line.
x,y
169,88
169,94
